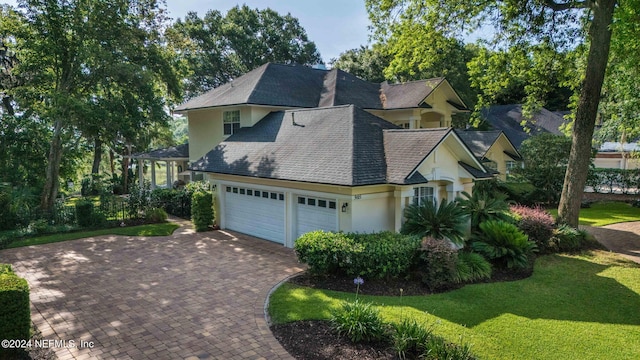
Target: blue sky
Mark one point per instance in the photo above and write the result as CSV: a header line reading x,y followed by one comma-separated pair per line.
x,y
334,25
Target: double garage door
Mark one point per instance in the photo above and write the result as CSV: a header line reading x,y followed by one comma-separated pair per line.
x,y
262,213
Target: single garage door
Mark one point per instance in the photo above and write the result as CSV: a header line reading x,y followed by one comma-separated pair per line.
x,y
255,212
314,213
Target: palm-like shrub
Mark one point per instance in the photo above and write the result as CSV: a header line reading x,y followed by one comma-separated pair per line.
x,y
471,267
482,206
503,243
447,221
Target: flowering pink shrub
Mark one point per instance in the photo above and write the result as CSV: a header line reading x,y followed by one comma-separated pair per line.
x,y
536,223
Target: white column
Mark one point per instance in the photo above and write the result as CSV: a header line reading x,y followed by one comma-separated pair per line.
x,y
169,172
140,173
153,174
414,122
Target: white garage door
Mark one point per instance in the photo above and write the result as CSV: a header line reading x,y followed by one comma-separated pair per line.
x,y
255,212
314,213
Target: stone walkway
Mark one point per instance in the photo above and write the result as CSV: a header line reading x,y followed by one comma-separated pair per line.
x,y
185,296
621,238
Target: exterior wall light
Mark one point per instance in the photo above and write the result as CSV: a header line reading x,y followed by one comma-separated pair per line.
x,y
344,207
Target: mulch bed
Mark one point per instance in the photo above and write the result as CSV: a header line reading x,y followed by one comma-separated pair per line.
x,y
315,339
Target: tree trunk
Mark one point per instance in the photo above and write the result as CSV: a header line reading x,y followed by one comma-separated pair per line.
x,y
52,183
112,159
125,170
586,112
97,156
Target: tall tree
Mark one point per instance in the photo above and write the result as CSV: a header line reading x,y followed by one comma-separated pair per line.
x,y
559,22
85,56
216,48
367,63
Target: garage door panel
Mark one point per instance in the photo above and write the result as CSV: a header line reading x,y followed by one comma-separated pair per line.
x,y
316,214
255,215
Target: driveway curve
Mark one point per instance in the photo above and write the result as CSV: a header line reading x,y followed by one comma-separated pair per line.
x,y
185,296
622,238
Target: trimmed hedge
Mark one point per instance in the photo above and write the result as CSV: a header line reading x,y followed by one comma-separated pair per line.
x,y
377,255
438,263
15,314
326,252
202,210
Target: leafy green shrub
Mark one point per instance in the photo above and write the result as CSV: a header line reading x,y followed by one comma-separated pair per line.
x,y
471,267
15,314
384,254
87,216
326,252
37,227
567,239
202,210
139,197
483,206
410,337
8,216
504,244
447,221
156,215
174,202
546,172
438,348
358,321
437,263
536,223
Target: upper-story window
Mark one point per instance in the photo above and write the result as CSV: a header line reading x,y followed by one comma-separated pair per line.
x,y
231,122
422,194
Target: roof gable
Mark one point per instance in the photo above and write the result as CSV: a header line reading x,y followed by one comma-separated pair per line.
x,y
508,118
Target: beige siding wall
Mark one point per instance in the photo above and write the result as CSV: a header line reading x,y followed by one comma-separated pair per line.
x,y
206,128
373,213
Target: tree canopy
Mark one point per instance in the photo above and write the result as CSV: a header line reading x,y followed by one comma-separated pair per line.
x,y
560,24
94,68
215,48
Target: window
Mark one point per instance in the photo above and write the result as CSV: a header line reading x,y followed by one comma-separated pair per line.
x,y
241,191
322,203
311,202
492,165
249,192
235,190
406,125
281,197
422,194
231,122
228,188
301,200
332,204
274,196
265,194
256,193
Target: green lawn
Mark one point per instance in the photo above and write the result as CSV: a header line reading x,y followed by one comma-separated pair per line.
x,y
572,307
605,213
162,229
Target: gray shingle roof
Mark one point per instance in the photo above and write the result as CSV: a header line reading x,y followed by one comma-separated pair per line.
x,y
340,145
172,152
479,142
406,149
508,118
304,87
477,174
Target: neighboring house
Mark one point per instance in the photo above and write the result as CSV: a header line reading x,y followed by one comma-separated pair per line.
x,y
493,149
509,119
174,162
615,155
290,149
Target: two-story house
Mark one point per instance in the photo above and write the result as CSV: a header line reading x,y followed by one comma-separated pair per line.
x,y
291,149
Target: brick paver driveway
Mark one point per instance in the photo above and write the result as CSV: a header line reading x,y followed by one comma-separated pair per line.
x,y
186,296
